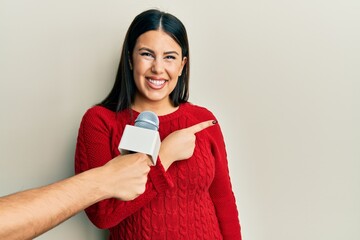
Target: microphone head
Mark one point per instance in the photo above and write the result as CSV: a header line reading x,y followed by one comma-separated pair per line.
x,y
148,120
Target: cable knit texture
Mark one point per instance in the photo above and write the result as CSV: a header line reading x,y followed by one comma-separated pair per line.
x,y
192,200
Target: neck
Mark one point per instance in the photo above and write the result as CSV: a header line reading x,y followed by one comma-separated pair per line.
x,y
159,108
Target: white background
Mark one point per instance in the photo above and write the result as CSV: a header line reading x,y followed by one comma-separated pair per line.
x,y
281,76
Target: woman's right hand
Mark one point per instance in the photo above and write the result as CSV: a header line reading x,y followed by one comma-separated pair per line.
x,y
180,145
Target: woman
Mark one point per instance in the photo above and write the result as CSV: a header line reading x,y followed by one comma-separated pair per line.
x,y
188,199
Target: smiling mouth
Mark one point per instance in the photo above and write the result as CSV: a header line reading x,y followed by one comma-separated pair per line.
x,y
157,84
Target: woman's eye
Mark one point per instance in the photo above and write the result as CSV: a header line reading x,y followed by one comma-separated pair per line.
x,y
170,57
145,54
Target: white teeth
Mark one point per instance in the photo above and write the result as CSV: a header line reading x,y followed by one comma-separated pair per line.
x,y
157,82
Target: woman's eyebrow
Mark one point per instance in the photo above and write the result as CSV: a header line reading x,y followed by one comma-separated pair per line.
x,y
151,51
171,52
146,49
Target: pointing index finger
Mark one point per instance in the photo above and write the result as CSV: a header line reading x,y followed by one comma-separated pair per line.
x,y
201,126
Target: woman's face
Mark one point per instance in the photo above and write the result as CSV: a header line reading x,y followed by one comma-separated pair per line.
x,y
157,63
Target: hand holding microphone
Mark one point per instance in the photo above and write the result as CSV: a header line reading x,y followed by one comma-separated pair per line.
x,y
129,176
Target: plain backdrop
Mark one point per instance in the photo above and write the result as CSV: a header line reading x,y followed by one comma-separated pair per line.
x,y
282,77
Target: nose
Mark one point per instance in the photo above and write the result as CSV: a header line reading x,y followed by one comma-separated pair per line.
x,y
157,66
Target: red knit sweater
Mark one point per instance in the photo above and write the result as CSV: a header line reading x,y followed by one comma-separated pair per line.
x,y
192,200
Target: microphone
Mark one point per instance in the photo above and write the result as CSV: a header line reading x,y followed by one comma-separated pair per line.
x,y
143,137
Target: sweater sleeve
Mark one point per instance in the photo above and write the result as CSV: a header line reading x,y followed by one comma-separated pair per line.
x,y
221,189
94,148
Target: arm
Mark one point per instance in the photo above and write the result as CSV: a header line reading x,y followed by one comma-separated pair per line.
x,y
221,189
38,210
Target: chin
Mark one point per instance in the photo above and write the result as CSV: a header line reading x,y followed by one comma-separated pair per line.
x,y
157,98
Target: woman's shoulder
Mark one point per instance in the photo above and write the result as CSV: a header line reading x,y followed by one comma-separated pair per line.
x,y
202,113
98,110
197,110
98,113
